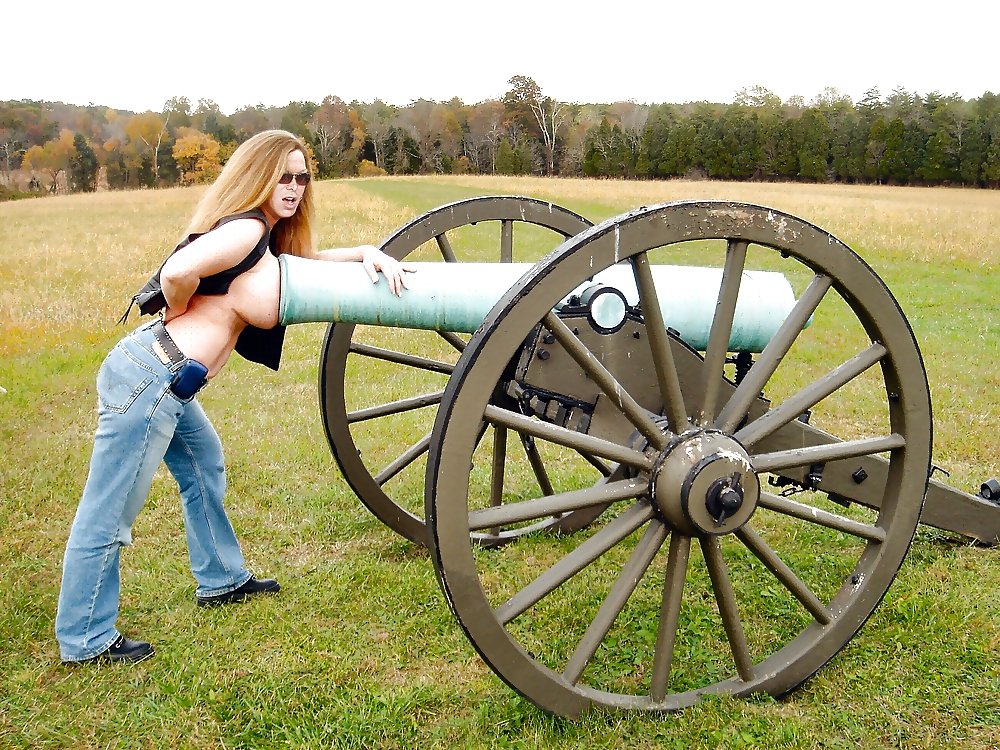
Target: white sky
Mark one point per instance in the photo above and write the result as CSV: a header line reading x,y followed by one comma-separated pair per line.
x,y
137,55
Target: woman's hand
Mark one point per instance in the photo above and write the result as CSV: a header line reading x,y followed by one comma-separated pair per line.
x,y
169,313
375,260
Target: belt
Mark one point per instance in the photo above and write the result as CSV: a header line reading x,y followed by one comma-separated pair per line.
x,y
167,348
190,376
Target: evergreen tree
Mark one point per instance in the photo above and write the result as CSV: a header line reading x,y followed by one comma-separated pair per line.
x,y
740,144
893,163
167,166
940,157
295,119
525,155
972,154
597,161
788,144
622,160
875,150
814,153
83,165
117,172
659,123
507,161
849,144
991,162
912,150
678,155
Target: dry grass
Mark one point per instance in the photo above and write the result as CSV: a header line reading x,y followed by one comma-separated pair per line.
x,y
926,225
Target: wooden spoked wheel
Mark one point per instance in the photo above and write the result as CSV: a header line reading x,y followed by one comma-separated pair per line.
x,y
375,444
703,577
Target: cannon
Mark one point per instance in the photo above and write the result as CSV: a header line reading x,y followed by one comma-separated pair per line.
x,y
656,404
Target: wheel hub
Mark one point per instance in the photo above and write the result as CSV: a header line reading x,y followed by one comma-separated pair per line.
x,y
704,483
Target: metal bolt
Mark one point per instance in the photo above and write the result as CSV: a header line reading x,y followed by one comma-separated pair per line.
x,y
543,354
990,490
859,476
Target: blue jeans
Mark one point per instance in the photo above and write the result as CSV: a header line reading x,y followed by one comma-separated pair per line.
x,y
141,422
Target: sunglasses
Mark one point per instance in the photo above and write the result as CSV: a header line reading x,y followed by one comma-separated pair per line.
x,y
302,178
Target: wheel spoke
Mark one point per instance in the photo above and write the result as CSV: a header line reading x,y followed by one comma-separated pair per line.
x,y
597,463
395,407
821,517
670,611
537,466
454,339
811,395
767,363
722,328
567,438
616,599
445,246
506,241
659,344
575,561
541,507
638,416
818,454
410,360
726,599
783,573
499,463
406,458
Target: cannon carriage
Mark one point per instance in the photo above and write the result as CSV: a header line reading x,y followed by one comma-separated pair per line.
x,y
652,472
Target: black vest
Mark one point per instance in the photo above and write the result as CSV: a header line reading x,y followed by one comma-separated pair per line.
x,y
255,344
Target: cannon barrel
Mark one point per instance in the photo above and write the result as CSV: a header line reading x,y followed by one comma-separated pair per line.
x,y
457,297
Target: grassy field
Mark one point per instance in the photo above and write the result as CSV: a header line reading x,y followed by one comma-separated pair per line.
x,y
360,649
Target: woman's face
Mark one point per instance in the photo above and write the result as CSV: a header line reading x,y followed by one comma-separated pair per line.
x,y
285,199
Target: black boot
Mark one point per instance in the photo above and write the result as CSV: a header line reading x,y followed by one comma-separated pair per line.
x,y
123,649
251,588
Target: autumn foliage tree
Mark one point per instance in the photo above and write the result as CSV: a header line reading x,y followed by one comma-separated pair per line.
x,y
146,132
197,156
338,136
52,158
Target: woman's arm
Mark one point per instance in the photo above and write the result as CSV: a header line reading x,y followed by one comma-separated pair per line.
x,y
374,260
211,253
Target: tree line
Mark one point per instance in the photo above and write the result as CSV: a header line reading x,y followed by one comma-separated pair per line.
x,y
900,138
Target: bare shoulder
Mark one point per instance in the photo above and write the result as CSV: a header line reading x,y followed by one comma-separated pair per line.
x,y
217,250
225,246
245,232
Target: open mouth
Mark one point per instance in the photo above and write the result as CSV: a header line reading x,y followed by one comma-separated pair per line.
x,y
290,202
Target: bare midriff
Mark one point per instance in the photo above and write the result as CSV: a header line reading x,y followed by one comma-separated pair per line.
x,y
208,329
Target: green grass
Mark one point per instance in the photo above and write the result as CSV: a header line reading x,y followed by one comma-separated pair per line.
x,y
360,649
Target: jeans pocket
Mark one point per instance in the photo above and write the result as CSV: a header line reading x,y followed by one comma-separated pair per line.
x,y
121,379
178,399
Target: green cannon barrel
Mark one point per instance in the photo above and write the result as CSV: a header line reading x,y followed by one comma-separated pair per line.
x,y
457,297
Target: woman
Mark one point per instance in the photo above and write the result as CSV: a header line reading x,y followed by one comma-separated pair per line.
x,y
219,292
